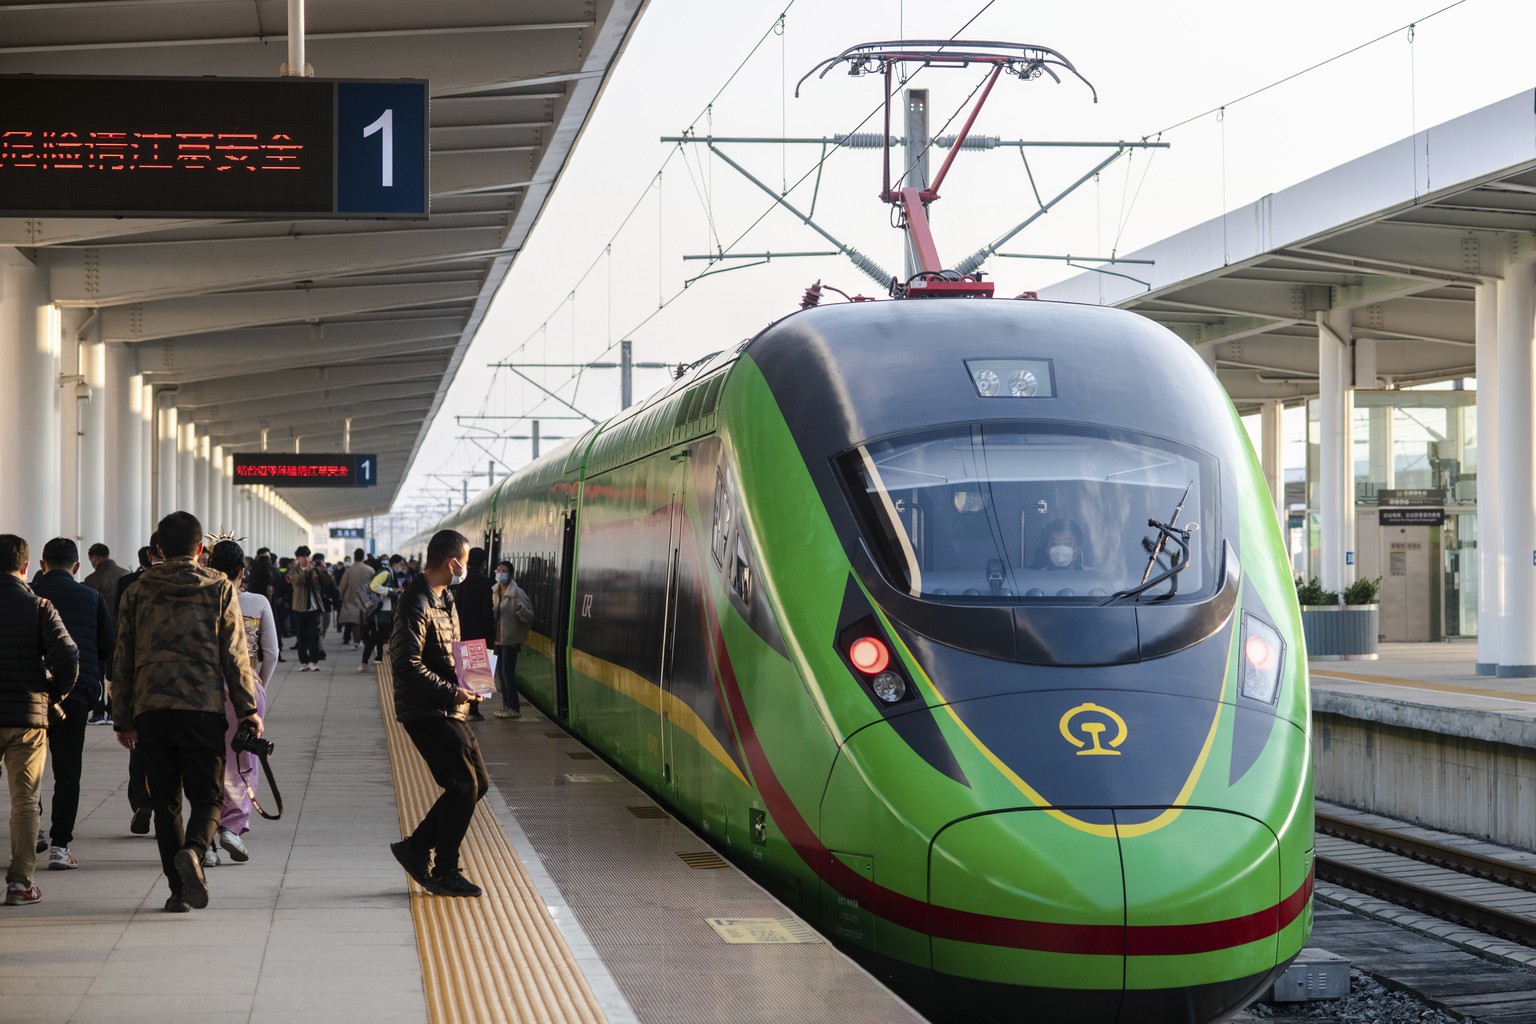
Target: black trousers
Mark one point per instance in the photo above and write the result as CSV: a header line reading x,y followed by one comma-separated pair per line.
x,y
453,757
66,746
183,751
138,786
375,638
307,626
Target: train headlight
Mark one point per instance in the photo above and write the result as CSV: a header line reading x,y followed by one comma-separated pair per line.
x,y
1263,652
889,687
869,655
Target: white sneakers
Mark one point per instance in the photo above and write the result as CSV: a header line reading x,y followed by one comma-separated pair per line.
x,y
60,859
234,846
211,856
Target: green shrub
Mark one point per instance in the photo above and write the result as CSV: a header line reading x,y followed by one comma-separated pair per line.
x,y
1311,592
1363,591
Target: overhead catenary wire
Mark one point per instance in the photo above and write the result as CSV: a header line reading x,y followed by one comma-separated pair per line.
x,y
1220,109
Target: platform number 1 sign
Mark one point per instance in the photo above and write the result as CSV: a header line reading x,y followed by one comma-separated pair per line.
x,y
381,148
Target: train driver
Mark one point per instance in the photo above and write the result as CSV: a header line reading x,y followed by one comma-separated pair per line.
x,y
1061,547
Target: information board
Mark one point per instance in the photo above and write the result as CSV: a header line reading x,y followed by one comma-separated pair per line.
x,y
212,147
1410,497
275,470
348,532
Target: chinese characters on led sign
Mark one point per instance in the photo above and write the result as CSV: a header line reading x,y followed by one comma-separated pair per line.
x,y
212,147
307,470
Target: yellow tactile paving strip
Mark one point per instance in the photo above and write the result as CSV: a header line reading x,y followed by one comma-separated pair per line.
x,y
490,960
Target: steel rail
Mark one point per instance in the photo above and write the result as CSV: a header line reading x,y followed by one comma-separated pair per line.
x,y
1491,868
1515,927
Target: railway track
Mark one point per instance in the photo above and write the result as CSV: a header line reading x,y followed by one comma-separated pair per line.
x,y
1492,895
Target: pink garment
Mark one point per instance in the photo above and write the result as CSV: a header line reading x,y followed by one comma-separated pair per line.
x,y
241,771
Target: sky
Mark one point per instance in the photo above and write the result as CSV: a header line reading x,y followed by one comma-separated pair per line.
x,y
1250,99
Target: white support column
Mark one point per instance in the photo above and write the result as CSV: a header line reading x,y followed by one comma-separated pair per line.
x,y
1383,469
29,400
1272,441
1517,481
148,424
201,485
1490,579
218,518
186,467
167,463
93,445
1336,477
70,386
125,470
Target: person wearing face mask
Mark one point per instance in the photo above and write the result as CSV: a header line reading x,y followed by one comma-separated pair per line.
x,y
1061,547
431,707
514,612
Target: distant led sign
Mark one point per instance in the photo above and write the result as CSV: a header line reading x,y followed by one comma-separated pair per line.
x,y
344,470
348,532
212,147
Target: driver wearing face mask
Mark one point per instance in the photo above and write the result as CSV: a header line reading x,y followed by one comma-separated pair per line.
x,y
1061,547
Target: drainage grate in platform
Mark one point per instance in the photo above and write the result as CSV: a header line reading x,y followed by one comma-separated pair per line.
x,y
648,811
758,930
702,861
580,755
592,777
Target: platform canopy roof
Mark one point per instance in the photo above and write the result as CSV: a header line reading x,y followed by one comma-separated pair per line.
x,y
295,326
1400,237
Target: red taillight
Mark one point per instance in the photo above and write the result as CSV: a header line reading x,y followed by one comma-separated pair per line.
x,y
1261,655
869,655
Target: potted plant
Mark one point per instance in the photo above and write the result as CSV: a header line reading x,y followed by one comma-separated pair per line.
x,y
1340,628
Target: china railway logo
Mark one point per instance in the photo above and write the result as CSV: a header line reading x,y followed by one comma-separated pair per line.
x,y
1096,722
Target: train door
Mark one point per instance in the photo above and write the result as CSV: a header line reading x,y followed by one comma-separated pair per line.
x,y
667,669
562,635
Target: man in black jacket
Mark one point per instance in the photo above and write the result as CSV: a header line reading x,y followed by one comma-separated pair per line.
x,y
431,706
89,625
32,638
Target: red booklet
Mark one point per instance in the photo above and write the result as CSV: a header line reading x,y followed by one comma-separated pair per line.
x,y
472,664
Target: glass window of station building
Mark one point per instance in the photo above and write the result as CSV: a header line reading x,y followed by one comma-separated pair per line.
x,y
1415,482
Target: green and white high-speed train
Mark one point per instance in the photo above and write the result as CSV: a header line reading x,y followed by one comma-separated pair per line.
x,y
964,626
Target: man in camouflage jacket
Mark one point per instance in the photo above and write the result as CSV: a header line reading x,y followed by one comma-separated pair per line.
x,y
180,643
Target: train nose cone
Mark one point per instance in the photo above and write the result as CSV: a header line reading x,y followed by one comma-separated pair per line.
x,y
1105,923
1028,911
1204,915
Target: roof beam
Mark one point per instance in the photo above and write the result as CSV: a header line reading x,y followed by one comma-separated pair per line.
x,y
255,349
300,381
113,275
209,313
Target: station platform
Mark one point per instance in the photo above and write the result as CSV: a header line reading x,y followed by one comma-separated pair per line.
x,y
1419,736
1431,686
598,906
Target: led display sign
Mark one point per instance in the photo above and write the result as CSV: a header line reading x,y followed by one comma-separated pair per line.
x,y
212,147
346,470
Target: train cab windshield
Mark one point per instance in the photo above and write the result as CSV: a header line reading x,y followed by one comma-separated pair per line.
x,y
1027,514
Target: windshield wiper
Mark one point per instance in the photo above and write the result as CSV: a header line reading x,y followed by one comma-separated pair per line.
x,y
1178,561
